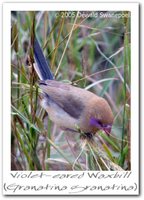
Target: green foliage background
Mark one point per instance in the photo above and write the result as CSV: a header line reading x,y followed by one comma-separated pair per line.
x,y
85,49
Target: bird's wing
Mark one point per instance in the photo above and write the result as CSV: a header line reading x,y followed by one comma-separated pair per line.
x,y
71,105
65,97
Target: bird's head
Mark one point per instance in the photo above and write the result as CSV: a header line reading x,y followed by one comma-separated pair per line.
x,y
102,116
100,126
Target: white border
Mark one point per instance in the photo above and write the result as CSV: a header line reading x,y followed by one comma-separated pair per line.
x,y
133,7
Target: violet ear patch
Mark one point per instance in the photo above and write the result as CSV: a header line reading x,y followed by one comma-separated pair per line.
x,y
105,127
95,122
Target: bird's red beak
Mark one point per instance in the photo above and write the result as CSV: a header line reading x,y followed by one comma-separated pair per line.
x,y
107,130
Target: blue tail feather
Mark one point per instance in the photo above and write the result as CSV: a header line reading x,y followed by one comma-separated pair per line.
x,y
42,67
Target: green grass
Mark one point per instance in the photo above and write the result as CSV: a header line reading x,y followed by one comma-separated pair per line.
x,y
92,53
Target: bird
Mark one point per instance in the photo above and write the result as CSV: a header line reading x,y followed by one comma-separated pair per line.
x,y
71,108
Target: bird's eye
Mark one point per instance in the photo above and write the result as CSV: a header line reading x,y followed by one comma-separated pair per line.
x,y
96,122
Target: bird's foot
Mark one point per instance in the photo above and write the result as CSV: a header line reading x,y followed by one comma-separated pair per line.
x,y
88,136
83,135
